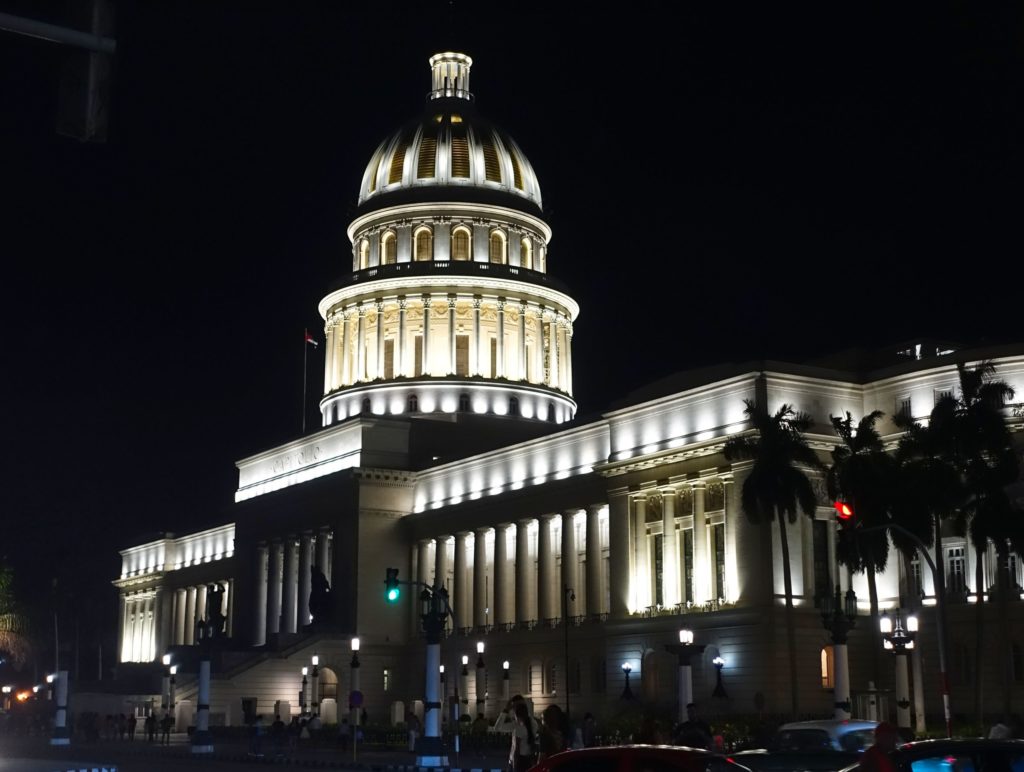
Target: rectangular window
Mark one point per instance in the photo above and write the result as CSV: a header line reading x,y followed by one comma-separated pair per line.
x,y
956,566
417,347
659,567
915,586
389,359
718,535
688,562
822,574
462,355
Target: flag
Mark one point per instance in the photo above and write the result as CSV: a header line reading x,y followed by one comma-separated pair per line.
x,y
311,339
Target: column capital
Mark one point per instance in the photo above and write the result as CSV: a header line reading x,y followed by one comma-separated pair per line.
x,y
426,542
379,304
501,304
482,531
571,512
524,522
546,517
668,489
595,508
698,485
462,534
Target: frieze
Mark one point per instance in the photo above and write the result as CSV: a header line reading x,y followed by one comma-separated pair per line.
x,y
297,460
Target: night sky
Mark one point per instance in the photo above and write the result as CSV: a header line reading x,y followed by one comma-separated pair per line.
x,y
722,185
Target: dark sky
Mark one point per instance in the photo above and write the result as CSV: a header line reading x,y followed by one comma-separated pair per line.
x,y
723,183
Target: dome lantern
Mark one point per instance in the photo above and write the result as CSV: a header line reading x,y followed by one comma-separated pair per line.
x,y
449,76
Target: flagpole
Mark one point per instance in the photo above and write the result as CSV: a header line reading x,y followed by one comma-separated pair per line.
x,y
305,356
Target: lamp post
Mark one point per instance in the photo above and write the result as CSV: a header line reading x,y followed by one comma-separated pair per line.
x,y
685,649
61,736
444,693
302,692
171,695
481,680
7,697
627,693
355,695
839,615
899,639
568,594
719,691
434,611
314,692
505,689
165,692
464,705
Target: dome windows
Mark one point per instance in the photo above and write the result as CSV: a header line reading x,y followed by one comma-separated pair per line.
x,y
460,153
526,253
424,240
427,165
498,244
364,254
388,248
460,243
398,162
492,169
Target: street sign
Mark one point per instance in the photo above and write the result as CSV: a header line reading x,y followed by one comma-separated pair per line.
x,y
355,698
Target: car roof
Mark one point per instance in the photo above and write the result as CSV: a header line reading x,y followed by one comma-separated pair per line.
x,y
830,725
959,742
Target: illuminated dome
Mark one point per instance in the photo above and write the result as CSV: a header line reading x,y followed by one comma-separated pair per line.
x,y
450,151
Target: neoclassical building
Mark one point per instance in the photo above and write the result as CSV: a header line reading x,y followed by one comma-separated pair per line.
x,y
450,450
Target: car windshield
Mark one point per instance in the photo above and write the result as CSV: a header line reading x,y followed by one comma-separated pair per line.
x,y
857,741
802,740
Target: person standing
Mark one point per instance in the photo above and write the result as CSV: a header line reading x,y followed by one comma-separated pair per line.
x,y
524,739
412,724
132,721
876,758
695,732
165,728
551,738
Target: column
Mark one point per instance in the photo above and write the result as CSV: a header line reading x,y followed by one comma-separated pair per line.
x,y
669,561
441,561
200,608
290,598
426,335
360,374
545,569
259,616
274,589
567,356
570,560
619,553
476,366
180,601
641,570
346,358
701,563
903,690
305,576
460,585
499,365
538,347
451,334
330,345
560,344
380,340
229,613
146,638
423,563
732,524
595,562
190,616
323,553
501,615
521,364
480,577
400,369
553,354
524,570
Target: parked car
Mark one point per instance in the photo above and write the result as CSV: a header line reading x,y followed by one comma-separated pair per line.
x,y
963,755
638,758
816,746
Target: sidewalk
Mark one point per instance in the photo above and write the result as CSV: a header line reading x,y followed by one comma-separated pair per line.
x,y
235,750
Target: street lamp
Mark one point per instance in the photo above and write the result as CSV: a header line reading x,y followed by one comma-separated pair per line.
x,y
627,693
165,693
719,691
302,692
839,615
504,682
685,649
355,696
481,680
568,594
172,688
314,691
464,707
899,639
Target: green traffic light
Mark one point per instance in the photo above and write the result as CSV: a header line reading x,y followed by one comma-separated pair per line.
x,y
393,595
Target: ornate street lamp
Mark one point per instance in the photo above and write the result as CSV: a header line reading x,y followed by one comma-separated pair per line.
x,y
302,692
899,639
464,707
354,695
839,615
627,693
719,691
685,649
314,692
481,680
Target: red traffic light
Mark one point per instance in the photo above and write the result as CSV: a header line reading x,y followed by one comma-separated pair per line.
x,y
844,512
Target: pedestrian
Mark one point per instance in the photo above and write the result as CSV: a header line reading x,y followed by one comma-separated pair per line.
x,y
478,732
166,723
412,724
277,735
589,731
876,758
551,739
294,728
150,727
256,737
695,732
344,734
132,721
122,726
523,752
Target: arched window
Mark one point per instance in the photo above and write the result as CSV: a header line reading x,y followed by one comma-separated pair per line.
x,y
388,248
364,254
424,244
460,244
526,253
412,405
464,403
827,668
513,406
497,242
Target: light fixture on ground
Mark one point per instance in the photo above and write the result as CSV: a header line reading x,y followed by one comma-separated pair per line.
x,y
684,650
719,691
627,693
429,748
898,638
568,594
172,693
839,615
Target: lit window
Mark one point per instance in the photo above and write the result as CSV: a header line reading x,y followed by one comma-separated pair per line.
x,y
364,254
389,248
460,244
497,243
827,668
526,253
424,244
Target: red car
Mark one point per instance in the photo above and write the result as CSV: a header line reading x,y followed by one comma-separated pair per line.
x,y
638,758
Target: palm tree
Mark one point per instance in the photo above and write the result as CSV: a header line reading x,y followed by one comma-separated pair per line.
x,y
14,641
777,487
863,474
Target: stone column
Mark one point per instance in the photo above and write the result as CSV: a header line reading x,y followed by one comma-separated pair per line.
x,y
546,352
259,616
274,589
361,345
476,366
379,305
329,344
642,571
200,607
545,569
323,553
305,576
146,630
426,335
289,603
401,368
501,583
499,366
595,562
570,560
620,589
567,356
733,515
451,334
524,570
538,346
461,585
521,374
560,343
701,563
669,559
554,356
229,613
441,561
181,601
190,616
346,358
423,562
480,577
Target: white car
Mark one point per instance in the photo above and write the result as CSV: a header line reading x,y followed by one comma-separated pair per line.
x,y
811,746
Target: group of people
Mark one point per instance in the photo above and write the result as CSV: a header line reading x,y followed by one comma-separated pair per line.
x,y
533,741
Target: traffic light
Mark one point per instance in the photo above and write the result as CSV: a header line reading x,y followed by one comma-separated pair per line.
x,y
844,514
391,589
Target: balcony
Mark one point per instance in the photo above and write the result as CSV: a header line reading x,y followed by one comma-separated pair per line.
x,y
454,268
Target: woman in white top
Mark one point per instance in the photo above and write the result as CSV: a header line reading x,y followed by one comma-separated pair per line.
x,y
524,740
